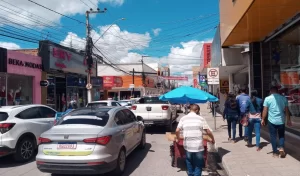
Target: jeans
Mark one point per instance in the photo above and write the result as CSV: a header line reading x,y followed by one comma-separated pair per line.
x,y
194,163
231,125
274,130
254,123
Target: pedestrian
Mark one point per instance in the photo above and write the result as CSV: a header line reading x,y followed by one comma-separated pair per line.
x,y
276,111
231,114
193,126
243,100
255,109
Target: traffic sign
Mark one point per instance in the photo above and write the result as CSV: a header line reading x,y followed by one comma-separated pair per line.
x,y
89,86
213,76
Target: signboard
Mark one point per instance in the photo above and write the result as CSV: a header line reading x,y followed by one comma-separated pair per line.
x,y
183,78
213,76
44,83
65,60
112,81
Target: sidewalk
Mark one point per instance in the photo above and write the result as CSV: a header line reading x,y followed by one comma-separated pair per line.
x,y
239,160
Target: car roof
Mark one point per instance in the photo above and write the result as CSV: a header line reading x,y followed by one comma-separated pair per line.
x,y
103,109
16,107
103,101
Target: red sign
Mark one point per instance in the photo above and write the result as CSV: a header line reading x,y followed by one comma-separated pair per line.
x,y
184,78
195,81
213,73
207,54
61,54
112,81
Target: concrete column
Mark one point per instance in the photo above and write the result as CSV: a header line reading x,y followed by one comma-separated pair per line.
x,y
250,73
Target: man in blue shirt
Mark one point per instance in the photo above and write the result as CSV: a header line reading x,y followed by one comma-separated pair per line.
x,y
276,108
243,100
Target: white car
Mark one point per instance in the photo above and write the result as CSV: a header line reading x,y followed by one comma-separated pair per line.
x,y
127,103
101,103
20,128
155,112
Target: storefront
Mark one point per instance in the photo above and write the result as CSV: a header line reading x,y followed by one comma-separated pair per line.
x,y
66,73
20,76
110,82
280,66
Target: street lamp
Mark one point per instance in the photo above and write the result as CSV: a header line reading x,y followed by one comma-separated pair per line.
x,y
116,21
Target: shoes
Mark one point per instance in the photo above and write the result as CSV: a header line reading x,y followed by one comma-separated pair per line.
x,y
282,153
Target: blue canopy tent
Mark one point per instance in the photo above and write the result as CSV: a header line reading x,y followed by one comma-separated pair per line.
x,y
186,94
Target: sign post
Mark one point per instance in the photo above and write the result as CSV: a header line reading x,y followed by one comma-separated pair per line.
x,y
213,78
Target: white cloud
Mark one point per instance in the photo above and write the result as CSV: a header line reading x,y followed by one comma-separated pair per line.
x,y
156,31
119,47
66,7
115,44
9,45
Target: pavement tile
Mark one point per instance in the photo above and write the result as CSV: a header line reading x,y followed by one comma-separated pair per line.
x,y
239,160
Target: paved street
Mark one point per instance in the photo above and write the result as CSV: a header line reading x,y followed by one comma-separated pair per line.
x,y
154,160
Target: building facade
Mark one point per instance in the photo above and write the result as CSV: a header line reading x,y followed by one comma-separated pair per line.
x,y
67,76
20,76
271,28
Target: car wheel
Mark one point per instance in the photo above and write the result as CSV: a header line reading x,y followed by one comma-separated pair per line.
x,y
120,163
24,150
143,141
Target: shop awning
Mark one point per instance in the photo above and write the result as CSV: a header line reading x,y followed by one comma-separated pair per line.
x,y
252,20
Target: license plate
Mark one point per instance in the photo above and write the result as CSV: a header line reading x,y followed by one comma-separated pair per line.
x,y
148,122
68,145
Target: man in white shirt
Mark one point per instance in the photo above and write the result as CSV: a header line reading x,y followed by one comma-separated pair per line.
x,y
193,127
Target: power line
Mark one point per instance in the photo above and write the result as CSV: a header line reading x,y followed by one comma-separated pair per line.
x,y
85,4
93,3
57,12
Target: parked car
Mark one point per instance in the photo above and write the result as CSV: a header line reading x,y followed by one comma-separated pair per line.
x,y
20,128
127,103
95,104
91,141
155,111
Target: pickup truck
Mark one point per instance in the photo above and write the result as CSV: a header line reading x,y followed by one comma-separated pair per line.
x,y
155,112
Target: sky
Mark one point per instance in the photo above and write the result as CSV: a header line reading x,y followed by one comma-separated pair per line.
x,y
170,32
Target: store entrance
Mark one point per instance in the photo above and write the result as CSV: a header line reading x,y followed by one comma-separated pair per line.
x,y
60,90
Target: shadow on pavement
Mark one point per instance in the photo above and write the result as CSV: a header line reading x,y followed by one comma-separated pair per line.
x,y
160,129
133,161
8,161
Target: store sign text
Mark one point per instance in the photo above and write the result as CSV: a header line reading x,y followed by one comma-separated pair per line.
x,y
24,64
61,54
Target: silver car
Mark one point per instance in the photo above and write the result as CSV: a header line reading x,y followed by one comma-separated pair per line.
x,y
91,141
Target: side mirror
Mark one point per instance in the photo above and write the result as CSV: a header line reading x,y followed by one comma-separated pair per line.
x,y
140,119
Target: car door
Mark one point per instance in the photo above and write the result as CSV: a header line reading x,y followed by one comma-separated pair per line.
x,y
32,119
47,114
126,129
136,128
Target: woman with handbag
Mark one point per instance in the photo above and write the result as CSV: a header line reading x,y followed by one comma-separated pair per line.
x,y
255,109
231,114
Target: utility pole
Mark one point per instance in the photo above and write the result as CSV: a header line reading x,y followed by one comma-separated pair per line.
x,y
89,51
132,94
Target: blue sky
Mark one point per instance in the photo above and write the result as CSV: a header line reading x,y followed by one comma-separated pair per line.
x,y
170,31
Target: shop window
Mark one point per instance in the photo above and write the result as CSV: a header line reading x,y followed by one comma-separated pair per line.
x,y
3,98
19,90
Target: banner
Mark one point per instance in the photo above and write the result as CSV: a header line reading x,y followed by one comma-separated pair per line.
x,y
183,78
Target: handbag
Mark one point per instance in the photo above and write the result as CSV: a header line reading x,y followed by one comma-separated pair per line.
x,y
245,120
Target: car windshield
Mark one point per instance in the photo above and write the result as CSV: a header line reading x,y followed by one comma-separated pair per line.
x,y
97,104
3,116
151,100
86,117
